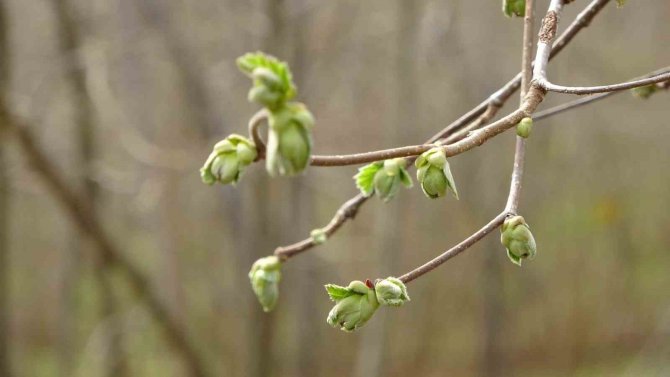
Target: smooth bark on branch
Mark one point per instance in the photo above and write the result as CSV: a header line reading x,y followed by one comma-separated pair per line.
x,y
585,90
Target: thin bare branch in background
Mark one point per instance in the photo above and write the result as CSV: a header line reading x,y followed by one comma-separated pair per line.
x,y
5,200
72,43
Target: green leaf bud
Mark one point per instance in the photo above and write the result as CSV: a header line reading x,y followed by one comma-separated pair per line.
x,y
265,275
389,177
645,91
391,292
318,236
228,159
517,239
514,8
354,305
434,174
273,81
289,140
524,127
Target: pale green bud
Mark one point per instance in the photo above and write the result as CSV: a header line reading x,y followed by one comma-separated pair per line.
x,y
645,91
264,96
391,292
318,236
517,239
355,305
524,127
289,140
265,275
388,178
228,159
434,174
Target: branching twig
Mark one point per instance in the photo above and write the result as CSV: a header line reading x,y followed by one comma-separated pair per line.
x,y
484,110
547,33
583,90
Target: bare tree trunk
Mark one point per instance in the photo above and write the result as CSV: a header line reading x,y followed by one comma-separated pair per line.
x,y
5,366
70,38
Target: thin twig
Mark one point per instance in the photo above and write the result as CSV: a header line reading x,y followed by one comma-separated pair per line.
x,y
88,222
254,132
583,90
535,93
526,76
454,251
488,106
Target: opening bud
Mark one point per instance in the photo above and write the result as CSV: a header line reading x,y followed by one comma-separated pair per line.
x,y
228,160
434,174
289,140
354,305
391,292
517,239
265,275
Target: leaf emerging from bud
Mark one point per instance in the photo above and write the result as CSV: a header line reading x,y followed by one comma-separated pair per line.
x,y
265,275
434,174
524,127
391,292
517,239
273,81
383,178
228,159
354,305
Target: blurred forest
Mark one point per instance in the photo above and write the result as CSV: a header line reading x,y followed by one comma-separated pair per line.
x,y
127,97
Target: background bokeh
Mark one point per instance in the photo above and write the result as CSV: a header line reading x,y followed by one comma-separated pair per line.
x,y
153,85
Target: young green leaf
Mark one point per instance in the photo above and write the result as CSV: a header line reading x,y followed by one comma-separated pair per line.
x,y
338,292
365,177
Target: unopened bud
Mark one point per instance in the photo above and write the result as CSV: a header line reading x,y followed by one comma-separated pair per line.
x,y
434,174
517,239
265,275
524,127
391,292
228,159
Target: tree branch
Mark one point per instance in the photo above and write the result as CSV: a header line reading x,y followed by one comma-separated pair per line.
x,y
484,110
583,90
88,222
533,97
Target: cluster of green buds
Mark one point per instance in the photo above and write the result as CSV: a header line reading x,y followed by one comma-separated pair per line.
x,y
514,8
517,239
434,174
228,159
525,127
356,303
289,140
383,178
265,275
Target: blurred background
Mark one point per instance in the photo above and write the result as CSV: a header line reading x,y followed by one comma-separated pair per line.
x,y
127,97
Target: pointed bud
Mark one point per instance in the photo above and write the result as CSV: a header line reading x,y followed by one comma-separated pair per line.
x,y
354,305
265,275
391,292
524,127
434,174
517,238
289,140
228,159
